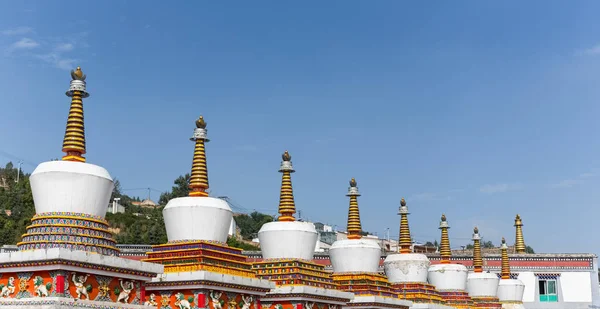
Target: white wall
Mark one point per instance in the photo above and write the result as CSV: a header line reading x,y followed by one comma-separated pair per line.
x,y
576,286
530,281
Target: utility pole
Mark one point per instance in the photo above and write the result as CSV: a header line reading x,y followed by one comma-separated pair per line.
x,y
148,193
19,171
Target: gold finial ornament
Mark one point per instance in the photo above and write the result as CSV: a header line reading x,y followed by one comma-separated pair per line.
x,y
199,177
520,247
200,123
404,239
505,271
74,140
354,226
287,206
445,252
78,74
477,260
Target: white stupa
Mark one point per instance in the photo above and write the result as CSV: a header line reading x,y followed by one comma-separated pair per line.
x,y
449,279
356,260
407,270
510,291
287,238
68,242
198,216
482,286
287,248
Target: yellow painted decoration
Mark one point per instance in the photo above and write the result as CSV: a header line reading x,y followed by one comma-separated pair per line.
x,y
404,240
520,247
74,140
287,206
445,252
477,261
199,176
505,271
354,226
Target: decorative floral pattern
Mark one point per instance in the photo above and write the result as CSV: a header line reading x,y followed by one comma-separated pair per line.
x,y
24,284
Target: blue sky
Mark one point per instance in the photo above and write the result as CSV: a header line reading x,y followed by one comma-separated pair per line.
x,y
475,109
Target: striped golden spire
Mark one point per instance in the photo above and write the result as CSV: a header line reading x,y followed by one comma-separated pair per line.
x,y
519,240
199,177
445,252
354,228
477,261
74,141
404,240
505,272
287,207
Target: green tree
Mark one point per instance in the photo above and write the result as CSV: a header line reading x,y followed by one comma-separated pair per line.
x,y
250,224
180,189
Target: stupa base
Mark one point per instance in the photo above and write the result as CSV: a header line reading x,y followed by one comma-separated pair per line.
x,y
486,302
457,299
57,275
418,292
377,302
63,303
304,297
201,288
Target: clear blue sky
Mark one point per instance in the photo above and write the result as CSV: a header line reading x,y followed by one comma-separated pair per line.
x,y
475,109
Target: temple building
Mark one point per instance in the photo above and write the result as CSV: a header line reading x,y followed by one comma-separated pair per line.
x,y
67,257
407,271
287,247
447,277
355,264
200,269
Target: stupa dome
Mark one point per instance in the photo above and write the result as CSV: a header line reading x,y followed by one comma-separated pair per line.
x,y
408,267
71,187
287,238
197,218
482,284
355,255
510,290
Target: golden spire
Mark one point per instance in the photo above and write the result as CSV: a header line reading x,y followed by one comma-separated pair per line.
x,y
519,241
287,207
445,252
199,177
505,272
354,228
404,240
477,261
74,140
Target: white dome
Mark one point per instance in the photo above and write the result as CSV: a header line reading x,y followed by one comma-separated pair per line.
x,y
355,255
482,284
448,277
65,186
197,218
510,290
406,267
288,240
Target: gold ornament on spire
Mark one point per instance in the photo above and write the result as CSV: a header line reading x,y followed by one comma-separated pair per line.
x,y
287,206
199,177
74,140
520,247
354,227
200,123
445,252
404,239
477,260
505,272
77,74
